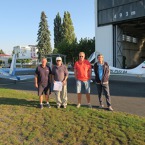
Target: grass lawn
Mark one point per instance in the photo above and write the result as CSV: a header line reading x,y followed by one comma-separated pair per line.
x,y
21,122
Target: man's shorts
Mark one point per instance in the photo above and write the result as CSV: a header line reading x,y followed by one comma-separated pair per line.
x,y
86,85
44,90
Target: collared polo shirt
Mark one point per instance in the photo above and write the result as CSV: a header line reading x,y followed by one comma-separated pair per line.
x,y
82,70
43,75
59,72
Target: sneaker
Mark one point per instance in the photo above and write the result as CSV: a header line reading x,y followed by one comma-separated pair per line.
x,y
101,106
79,105
41,106
89,105
110,108
58,106
48,105
64,106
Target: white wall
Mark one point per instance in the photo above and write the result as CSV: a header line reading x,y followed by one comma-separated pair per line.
x,y
104,39
26,52
5,60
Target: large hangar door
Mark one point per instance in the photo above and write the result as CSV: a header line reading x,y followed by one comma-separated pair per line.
x,y
129,44
121,45
128,18
117,47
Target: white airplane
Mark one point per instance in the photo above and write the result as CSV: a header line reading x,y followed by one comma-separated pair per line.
x,y
138,71
10,72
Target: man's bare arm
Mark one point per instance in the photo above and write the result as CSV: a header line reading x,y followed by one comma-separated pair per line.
x,y
75,73
90,73
36,80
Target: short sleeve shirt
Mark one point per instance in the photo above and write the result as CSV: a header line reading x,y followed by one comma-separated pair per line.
x,y
59,72
43,75
82,70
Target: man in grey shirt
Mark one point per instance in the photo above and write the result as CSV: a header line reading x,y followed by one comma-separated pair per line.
x,y
60,74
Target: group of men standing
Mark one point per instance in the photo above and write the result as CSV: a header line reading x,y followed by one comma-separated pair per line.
x,y
44,76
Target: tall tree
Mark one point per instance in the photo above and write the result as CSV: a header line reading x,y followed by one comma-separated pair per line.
x,y
44,44
70,50
87,45
68,28
1,51
57,30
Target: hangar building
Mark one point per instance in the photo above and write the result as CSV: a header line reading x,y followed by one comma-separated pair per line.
x,y
120,31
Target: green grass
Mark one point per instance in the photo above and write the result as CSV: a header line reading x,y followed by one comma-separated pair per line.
x,y
21,122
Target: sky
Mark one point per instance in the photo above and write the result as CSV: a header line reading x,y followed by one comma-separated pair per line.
x,y
19,20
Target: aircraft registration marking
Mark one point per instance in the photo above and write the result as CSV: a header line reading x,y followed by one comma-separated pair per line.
x,y
118,71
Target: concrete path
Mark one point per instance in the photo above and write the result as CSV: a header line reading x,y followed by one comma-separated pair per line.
x,y
127,93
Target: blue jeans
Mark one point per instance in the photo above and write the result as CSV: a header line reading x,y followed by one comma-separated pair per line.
x,y
86,85
104,88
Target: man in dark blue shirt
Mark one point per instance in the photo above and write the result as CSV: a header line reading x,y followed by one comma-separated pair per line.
x,y
42,82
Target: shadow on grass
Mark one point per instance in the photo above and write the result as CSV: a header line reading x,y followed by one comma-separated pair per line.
x,y
22,102
18,102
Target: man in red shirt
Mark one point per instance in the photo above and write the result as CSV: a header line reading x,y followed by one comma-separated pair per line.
x,y
82,71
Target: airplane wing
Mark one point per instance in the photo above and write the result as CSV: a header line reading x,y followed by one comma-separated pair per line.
x,y
5,69
17,70
25,77
25,69
8,77
17,78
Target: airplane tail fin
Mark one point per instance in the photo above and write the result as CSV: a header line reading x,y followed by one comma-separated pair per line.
x,y
142,65
13,65
93,56
140,68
